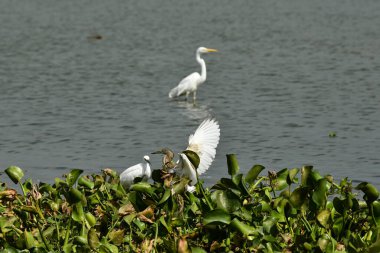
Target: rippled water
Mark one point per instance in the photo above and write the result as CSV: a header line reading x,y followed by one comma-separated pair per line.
x,y
84,83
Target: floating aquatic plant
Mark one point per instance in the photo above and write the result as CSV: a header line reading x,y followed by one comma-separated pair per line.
x,y
291,210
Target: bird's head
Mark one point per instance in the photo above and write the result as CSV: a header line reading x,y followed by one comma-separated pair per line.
x,y
204,50
165,151
146,158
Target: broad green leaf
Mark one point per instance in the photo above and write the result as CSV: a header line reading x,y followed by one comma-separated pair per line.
x,y
28,184
339,205
225,200
98,181
165,197
253,173
14,173
163,222
331,246
338,226
243,187
78,214
141,225
265,206
84,181
323,217
307,246
315,176
283,206
227,183
305,173
81,240
197,250
370,192
91,220
285,193
129,218
270,225
29,240
44,187
93,239
233,165
244,214
106,247
9,249
180,187
72,177
217,216
74,196
29,209
323,241
68,248
243,228
116,237
193,157
320,193
298,197
279,216
292,175
144,187
376,211
60,183
280,182
39,249
236,179
375,247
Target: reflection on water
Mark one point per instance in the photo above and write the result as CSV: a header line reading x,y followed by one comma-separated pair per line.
x,y
194,111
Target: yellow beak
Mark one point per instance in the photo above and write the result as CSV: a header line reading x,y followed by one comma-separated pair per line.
x,y
211,50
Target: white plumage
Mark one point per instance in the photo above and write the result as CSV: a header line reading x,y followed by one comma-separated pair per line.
x,y
203,142
142,170
190,83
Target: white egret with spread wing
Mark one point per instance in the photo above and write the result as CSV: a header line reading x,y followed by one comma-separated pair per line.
x,y
203,142
190,83
142,170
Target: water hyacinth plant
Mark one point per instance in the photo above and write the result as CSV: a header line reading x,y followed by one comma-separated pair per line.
x,y
292,210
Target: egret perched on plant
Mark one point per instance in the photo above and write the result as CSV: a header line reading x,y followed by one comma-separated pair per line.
x,y
190,83
142,170
203,143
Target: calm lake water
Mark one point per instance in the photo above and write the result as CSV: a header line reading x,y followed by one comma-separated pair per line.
x,y
84,84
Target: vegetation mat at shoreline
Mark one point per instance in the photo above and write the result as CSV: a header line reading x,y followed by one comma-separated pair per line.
x,y
292,210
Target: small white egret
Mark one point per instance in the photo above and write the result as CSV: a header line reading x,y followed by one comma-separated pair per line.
x,y
142,170
190,83
203,142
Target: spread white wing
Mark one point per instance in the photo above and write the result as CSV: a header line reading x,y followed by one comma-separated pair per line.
x,y
204,142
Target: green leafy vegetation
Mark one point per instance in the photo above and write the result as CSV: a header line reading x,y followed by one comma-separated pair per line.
x,y
292,210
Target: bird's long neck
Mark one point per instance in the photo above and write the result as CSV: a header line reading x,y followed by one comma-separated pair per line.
x,y
147,170
203,67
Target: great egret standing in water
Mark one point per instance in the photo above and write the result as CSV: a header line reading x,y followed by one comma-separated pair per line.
x,y
190,83
142,170
203,142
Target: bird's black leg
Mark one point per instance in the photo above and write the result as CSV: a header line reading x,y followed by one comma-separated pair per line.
x,y
194,97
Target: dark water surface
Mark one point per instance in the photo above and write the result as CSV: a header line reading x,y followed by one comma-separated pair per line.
x,y
83,84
